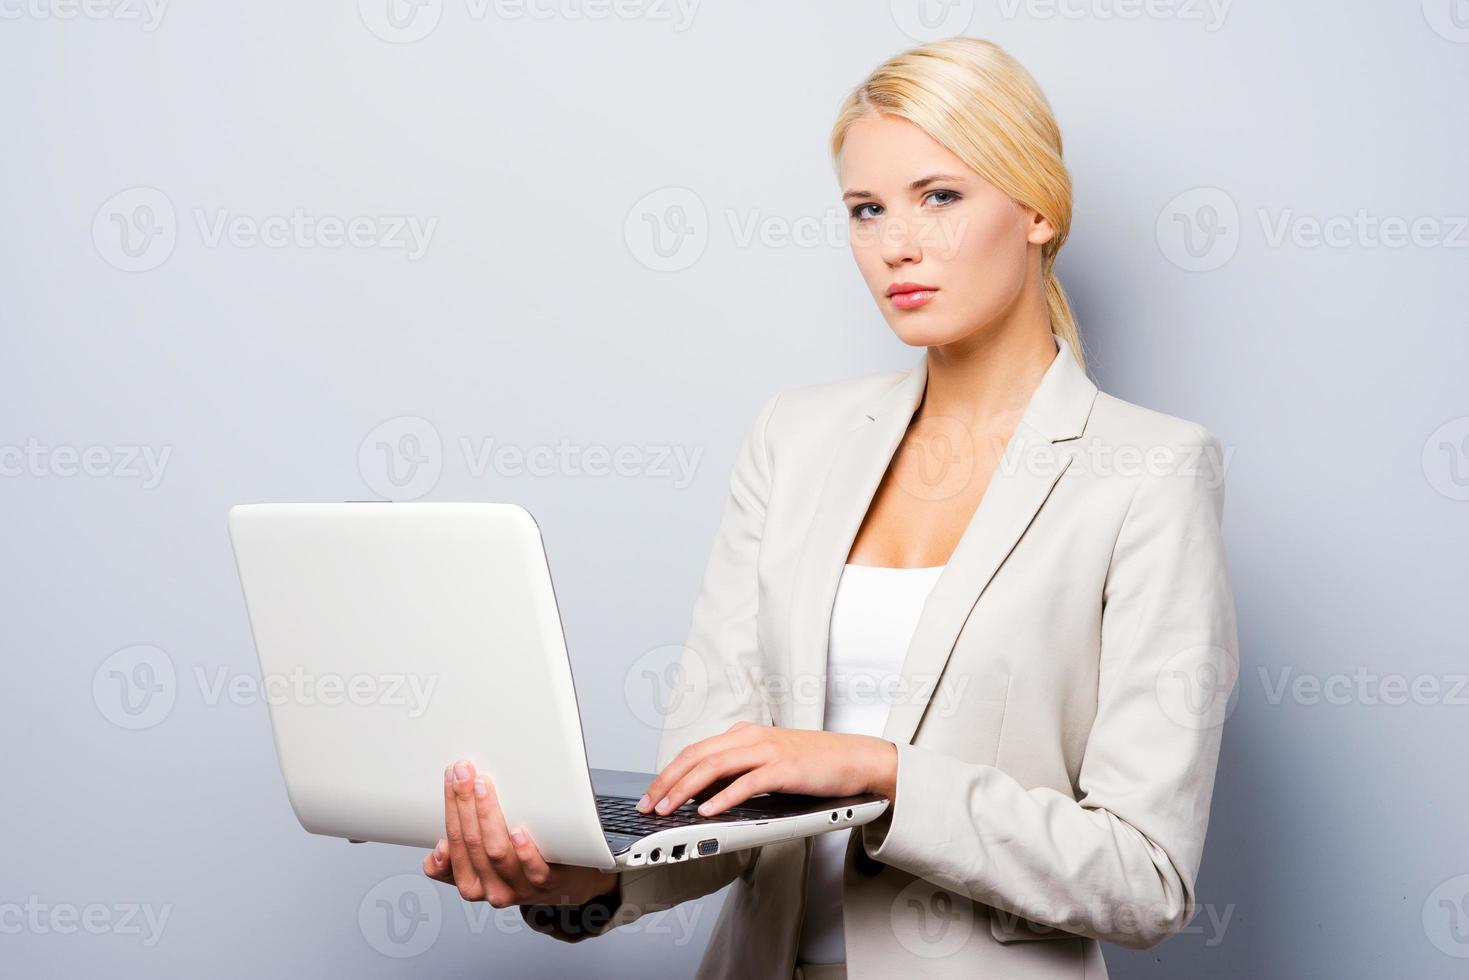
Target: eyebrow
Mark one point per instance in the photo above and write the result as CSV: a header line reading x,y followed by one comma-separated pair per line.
x,y
920,182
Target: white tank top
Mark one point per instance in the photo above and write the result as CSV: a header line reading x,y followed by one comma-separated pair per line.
x,y
872,621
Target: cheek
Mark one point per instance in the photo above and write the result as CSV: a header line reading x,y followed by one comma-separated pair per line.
x,y
992,251
868,256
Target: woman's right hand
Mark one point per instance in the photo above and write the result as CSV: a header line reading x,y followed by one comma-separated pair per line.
x,y
483,858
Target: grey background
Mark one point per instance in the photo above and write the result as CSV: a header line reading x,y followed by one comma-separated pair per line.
x,y
534,317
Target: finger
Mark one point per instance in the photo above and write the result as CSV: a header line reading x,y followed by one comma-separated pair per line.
x,y
501,872
436,863
727,763
459,862
534,869
664,782
762,780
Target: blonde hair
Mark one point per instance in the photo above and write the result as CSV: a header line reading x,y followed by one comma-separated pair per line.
x,y
977,101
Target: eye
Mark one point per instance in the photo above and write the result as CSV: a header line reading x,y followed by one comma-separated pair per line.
x,y
953,196
857,211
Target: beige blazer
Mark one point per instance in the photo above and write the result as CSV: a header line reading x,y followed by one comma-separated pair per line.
x,y
1063,697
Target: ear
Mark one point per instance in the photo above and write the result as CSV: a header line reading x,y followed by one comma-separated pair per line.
x,y
1040,229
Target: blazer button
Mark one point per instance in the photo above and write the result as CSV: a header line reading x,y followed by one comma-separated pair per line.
x,y
867,865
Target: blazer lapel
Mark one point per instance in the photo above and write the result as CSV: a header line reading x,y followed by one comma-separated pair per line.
x,y
1028,469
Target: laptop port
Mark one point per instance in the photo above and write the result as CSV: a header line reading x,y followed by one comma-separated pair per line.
x,y
655,855
677,854
707,847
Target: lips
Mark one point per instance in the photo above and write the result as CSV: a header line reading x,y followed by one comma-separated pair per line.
x,y
910,295
909,287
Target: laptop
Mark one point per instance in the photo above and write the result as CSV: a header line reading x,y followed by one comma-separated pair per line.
x,y
395,638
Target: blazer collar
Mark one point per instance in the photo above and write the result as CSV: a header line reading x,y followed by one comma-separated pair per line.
x,y
1029,468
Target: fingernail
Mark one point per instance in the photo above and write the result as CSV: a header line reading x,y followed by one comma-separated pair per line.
x,y
704,808
661,804
439,851
479,787
449,775
517,835
643,802
461,770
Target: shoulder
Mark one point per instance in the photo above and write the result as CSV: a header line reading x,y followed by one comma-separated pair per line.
x,y
1123,423
1161,457
816,410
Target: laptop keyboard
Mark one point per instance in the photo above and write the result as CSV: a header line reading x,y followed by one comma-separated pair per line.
x,y
620,815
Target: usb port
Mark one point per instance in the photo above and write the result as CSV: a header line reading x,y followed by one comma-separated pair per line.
x,y
707,847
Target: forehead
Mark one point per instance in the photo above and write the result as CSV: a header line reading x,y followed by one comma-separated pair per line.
x,y
885,151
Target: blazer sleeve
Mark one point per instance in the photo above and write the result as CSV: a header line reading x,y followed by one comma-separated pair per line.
x,y
1118,861
721,664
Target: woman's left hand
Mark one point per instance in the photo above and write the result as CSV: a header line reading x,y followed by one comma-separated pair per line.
x,y
764,759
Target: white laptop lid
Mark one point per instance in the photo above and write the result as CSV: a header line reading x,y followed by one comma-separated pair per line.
x,y
395,638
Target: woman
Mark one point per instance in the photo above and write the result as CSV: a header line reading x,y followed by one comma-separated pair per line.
x,y
1028,575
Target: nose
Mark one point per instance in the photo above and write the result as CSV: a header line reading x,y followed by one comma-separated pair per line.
x,y
899,243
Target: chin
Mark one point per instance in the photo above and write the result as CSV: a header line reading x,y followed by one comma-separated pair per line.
x,y
916,333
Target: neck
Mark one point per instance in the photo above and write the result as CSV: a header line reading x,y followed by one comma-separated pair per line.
x,y
987,379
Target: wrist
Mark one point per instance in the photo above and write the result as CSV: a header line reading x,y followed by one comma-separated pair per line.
x,y
884,780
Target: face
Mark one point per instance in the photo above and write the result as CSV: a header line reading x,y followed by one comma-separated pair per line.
x,y
920,218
